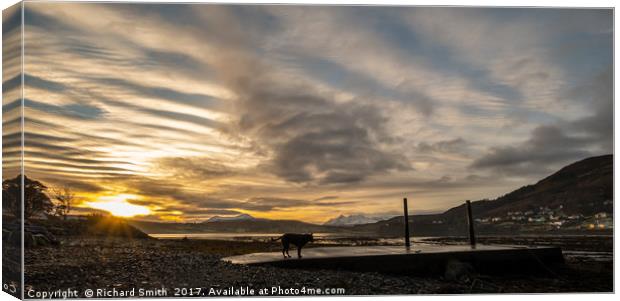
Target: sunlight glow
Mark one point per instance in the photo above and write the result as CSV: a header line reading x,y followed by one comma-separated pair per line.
x,y
119,206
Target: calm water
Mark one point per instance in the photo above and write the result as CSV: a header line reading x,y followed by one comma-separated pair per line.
x,y
218,236
325,238
580,246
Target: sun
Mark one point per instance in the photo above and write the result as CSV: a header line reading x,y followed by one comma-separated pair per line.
x,y
119,206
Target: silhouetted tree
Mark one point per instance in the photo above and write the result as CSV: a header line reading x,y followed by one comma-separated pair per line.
x,y
64,198
35,199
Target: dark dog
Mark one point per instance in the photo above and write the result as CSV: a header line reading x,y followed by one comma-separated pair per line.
x,y
299,240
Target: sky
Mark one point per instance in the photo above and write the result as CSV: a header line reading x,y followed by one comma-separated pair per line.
x,y
183,112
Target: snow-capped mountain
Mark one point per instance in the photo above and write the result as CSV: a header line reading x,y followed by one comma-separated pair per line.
x,y
240,217
354,219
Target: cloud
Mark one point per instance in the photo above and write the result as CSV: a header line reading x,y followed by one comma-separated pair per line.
x,y
74,185
330,156
456,145
193,168
192,212
217,211
272,203
598,95
327,197
80,111
208,109
312,138
193,99
547,147
551,146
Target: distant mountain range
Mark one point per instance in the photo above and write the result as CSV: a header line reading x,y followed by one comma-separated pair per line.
x,y
243,225
351,220
578,197
240,217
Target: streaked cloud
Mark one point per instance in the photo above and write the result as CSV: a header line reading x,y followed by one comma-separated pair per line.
x,y
306,111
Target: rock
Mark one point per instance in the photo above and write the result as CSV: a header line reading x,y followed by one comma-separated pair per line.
x,y
5,235
459,271
12,238
40,240
28,240
33,235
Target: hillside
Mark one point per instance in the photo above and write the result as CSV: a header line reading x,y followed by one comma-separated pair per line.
x,y
577,196
255,225
580,188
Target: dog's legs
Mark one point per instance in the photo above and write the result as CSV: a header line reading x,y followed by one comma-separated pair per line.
x,y
285,247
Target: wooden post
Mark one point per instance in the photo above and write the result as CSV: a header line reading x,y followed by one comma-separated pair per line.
x,y
470,224
407,242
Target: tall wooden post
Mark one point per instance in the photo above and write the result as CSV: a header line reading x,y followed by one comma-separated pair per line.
x,y
407,242
470,224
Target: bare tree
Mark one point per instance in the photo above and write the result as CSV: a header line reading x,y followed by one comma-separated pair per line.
x,y
64,198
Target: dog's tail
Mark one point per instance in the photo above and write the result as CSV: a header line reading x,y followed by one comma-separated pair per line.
x,y
275,239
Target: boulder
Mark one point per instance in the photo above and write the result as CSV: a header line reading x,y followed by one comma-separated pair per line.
x,y
33,235
458,271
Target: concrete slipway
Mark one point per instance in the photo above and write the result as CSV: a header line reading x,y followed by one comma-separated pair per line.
x,y
419,259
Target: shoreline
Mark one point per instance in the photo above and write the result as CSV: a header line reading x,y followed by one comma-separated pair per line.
x,y
85,262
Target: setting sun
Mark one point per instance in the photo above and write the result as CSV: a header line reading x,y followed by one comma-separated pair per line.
x,y
119,206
